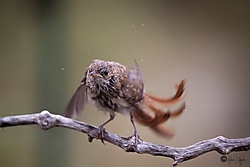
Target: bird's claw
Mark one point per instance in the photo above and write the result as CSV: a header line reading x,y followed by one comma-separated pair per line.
x,y
100,134
137,138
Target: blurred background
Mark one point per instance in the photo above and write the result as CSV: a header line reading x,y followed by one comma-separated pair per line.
x,y
46,46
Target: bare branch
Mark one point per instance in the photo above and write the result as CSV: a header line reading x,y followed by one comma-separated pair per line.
x,y
47,120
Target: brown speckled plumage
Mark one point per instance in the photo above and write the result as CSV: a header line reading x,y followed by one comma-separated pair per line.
x,y
115,88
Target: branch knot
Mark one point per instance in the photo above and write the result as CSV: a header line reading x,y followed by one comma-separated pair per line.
x,y
46,120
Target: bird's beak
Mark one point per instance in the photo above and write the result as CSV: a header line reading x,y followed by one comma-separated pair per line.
x,y
95,75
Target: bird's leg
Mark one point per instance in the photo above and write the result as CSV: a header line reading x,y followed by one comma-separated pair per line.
x,y
137,137
176,98
101,127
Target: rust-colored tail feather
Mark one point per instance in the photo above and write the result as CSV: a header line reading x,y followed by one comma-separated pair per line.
x,y
155,122
162,131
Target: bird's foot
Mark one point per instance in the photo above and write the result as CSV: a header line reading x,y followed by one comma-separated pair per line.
x,y
137,138
100,134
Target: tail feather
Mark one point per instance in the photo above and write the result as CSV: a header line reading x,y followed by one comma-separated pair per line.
x,y
155,121
162,131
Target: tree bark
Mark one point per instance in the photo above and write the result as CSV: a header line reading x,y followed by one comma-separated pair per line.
x,y
46,120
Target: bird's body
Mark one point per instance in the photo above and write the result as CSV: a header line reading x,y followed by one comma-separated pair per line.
x,y
115,88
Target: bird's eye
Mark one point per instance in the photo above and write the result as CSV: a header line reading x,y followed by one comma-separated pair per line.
x,y
106,72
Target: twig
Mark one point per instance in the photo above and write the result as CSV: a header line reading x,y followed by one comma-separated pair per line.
x,y
47,120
